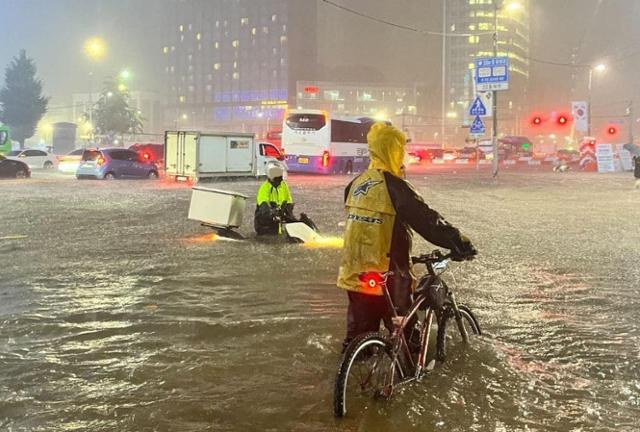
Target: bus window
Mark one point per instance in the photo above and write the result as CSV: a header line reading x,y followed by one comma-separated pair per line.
x,y
346,131
306,121
3,136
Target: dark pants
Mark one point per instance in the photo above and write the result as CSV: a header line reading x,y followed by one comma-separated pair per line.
x,y
365,311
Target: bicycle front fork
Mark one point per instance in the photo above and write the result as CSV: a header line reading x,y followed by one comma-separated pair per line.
x,y
458,316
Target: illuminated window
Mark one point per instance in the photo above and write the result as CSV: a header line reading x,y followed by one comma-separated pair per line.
x,y
216,66
265,30
244,21
274,17
217,23
235,43
216,45
484,26
182,99
181,27
472,27
236,76
254,31
165,50
198,36
283,39
235,65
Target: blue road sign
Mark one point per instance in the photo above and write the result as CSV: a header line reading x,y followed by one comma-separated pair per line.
x,y
477,127
492,73
477,107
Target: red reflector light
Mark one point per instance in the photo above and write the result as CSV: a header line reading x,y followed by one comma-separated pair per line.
x,y
371,280
326,158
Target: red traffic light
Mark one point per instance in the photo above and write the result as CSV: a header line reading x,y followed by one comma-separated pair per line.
x,y
562,120
612,130
536,120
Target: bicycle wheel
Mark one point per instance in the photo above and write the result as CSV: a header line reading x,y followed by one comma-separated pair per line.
x,y
365,369
448,331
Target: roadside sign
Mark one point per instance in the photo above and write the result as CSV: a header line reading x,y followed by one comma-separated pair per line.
x,y
477,107
580,116
492,73
477,127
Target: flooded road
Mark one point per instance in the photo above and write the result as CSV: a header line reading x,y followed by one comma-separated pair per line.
x,y
119,314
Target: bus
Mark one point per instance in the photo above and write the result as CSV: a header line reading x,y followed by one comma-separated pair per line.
x,y
5,140
317,143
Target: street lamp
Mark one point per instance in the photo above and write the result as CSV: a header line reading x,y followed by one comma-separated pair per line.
x,y
95,48
601,67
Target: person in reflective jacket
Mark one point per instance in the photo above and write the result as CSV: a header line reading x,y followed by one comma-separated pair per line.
x,y
275,204
382,211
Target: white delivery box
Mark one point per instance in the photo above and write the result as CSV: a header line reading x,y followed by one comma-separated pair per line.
x,y
216,207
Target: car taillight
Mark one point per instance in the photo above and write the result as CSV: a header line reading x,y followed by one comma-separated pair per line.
x,y
146,156
101,161
326,158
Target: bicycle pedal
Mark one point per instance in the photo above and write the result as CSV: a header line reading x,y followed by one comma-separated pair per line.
x,y
431,366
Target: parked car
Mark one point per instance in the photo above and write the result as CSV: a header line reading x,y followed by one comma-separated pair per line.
x,y
69,163
34,158
112,163
10,168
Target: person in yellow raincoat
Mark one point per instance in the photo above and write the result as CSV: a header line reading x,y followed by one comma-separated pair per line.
x,y
382,210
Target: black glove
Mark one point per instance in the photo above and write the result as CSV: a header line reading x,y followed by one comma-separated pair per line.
x,y
464,251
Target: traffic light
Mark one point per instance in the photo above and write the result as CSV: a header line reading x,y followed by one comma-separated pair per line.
x,y
612,130
561,118
536,120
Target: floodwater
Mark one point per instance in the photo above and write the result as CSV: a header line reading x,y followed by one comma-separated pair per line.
x,y
119,314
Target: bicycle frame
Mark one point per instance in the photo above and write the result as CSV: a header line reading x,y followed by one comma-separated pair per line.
x,y
401,349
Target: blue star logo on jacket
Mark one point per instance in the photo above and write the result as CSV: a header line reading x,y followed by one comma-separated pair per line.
x,y
363,189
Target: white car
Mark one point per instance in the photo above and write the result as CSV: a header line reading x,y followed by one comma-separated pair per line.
x,y
34,158
69,163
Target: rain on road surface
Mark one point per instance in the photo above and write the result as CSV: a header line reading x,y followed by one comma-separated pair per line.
x,y
117,313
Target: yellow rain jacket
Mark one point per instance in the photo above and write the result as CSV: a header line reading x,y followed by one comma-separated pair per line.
x,y
382,209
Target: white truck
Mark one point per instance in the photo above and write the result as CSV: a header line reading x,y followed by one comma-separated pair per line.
x,y
198,155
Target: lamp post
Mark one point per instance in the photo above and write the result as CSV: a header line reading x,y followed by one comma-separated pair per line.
x,y
512,6
598,68
95,49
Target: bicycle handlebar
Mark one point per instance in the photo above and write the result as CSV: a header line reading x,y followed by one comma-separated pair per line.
x,y
433,257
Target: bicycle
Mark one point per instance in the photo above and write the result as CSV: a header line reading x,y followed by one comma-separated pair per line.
x,y
375,363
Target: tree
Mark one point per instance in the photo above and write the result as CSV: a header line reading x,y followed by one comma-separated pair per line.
x,y
21,102
112,115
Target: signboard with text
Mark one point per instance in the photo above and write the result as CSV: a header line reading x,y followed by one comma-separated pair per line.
x,y
492,74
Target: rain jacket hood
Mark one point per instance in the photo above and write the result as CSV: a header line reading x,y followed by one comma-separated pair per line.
x,y
386,148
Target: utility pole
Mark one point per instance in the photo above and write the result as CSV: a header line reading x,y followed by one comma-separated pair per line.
x,y
495,94
444,70
630,112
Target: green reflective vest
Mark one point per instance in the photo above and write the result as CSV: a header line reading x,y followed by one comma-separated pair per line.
x,y
269,193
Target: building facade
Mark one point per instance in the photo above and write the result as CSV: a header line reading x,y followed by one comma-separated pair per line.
x,y
233,64
358,99
471,24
